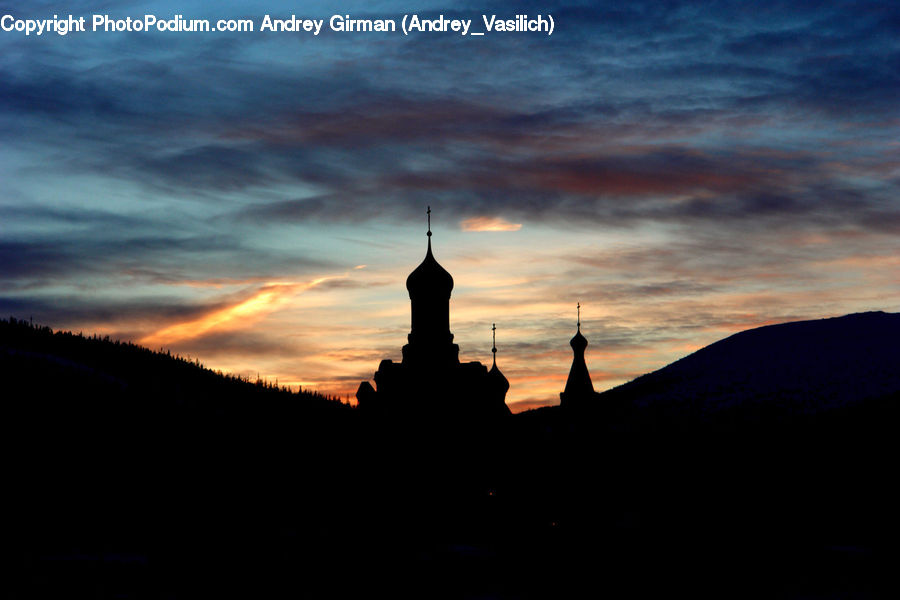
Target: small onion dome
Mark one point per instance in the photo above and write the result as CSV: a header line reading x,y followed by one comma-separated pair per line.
x,y
578,342
498,379
429,278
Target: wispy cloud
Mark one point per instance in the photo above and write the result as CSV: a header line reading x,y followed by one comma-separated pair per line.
x,y
489,224
264,301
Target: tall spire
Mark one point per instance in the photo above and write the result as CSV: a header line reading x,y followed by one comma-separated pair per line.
x,y
428,214
578,324
494,345
578,342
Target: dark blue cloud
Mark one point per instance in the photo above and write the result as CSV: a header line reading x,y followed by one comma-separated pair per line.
x,y
63,309
732,116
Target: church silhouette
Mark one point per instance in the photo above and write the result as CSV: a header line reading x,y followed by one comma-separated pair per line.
x,y
431,383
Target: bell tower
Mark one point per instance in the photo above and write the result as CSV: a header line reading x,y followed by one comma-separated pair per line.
x,y
429,287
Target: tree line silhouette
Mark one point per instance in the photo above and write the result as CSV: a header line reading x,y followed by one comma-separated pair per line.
x,y
129,365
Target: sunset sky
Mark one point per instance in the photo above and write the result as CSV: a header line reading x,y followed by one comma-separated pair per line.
x,y
256,200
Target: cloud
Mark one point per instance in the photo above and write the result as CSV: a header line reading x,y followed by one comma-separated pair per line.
x,y
489,224
77,309
26,260
692,103
208,167
262,302
102,250
350,284
252,347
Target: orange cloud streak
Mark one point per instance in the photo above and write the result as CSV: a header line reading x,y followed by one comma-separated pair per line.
x,y
263,302
489,224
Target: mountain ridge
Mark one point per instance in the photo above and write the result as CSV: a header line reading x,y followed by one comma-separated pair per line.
x,y
799,366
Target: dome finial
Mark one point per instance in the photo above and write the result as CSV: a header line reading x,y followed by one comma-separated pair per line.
x,y
578,306
494,346
428,212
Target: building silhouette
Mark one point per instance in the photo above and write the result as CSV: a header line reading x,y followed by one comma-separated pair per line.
x,y
430,381
579,389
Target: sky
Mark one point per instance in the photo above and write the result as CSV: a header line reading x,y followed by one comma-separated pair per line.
x,y
684,170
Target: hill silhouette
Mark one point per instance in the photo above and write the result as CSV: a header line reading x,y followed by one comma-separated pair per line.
x,y
136,474
756,466
794,368
38,361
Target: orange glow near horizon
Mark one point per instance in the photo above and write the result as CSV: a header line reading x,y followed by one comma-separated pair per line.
x,y
650,316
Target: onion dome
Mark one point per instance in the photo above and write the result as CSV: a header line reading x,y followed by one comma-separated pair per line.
x,y
498,379
429,278
578,342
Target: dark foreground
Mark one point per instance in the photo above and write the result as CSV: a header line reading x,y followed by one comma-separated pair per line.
x,y
152,485
547,508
